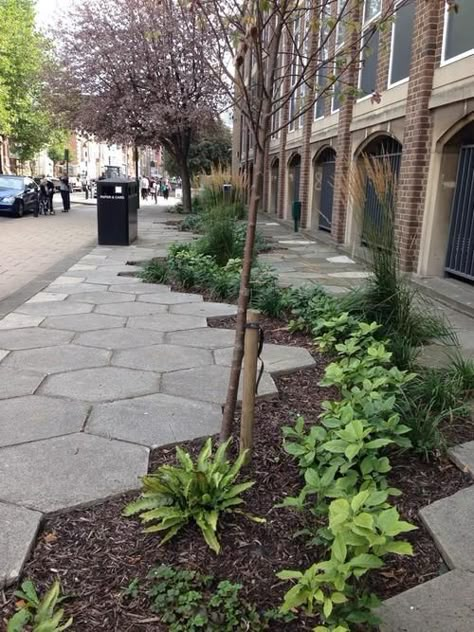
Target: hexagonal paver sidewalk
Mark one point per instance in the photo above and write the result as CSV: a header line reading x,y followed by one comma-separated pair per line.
x,y
95,370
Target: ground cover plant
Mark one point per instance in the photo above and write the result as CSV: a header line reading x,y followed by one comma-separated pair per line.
x,y
199,491
36,613
188,601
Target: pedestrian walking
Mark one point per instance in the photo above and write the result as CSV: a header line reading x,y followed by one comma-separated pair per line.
x,y
144,186
65,193
166,191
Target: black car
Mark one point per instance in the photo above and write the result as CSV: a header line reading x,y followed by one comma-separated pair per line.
x,y
18,195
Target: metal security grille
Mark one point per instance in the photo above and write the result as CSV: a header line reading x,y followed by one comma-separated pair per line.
x,y
328,166
386,149
460,258
295,172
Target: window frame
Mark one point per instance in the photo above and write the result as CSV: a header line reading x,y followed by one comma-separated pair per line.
x,y
450,60
400,82
366,26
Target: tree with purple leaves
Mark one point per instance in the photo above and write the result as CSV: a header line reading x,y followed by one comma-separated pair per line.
x,y
130,74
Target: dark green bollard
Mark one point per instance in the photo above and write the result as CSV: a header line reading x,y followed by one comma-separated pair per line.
x,y
296,213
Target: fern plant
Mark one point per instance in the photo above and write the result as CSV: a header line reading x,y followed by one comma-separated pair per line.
x,y
199,492
39,614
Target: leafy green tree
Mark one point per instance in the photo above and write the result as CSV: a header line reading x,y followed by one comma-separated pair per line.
x,y
24,116
211,148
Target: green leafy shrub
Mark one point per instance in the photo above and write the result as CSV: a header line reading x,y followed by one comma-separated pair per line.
x,y
155,271
187,601
361,531
198,492
39,614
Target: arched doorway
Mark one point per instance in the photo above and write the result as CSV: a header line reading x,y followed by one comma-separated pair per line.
x,y
460,248
274,180
387,149
294,174
323,189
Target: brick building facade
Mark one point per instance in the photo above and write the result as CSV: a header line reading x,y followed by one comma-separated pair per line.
x,y
422,70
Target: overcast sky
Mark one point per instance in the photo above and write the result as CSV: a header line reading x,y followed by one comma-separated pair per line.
x,y
48,9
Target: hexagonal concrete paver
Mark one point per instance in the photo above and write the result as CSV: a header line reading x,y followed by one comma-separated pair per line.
x,y
68,471
109,278
209,384
173,298
206,338
32,338
59,358
84,322
119,338
46,297
204,309
14,383
80,288
278,359
163,358
100,297
137,287
35,417
20,321
131,309
101,385
155,420
55,308
166,322
18,527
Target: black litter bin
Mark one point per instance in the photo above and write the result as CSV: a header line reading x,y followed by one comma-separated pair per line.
x,y
117,204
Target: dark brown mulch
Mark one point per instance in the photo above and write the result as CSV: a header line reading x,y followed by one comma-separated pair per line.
x,y
275,331
96,552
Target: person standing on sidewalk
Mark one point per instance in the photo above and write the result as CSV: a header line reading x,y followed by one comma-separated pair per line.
x,y
51,192
65,194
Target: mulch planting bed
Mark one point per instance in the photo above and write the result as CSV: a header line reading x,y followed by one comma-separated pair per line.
x,y
96,552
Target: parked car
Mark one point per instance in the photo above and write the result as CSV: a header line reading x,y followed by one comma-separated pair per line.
x,y
18,195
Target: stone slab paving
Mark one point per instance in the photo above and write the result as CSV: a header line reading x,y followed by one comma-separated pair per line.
x,y
18,528
444,604
450,522
155,420
69,471
94,370
463,456
277,359
34,417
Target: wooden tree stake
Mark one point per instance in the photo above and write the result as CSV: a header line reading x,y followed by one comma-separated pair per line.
x,y
249,382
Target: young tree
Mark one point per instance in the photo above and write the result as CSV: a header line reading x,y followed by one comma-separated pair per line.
x,y
286,55
138,77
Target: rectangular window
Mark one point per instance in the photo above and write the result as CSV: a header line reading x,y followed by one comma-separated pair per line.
x,y
402,36
342,7
371,9
370,57
336,98
320,95
292,111
459,31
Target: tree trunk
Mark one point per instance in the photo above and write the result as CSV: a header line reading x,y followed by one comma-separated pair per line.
x,y
186,184
234,379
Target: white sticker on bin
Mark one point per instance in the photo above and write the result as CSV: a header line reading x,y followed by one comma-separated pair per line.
x,y
118,189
